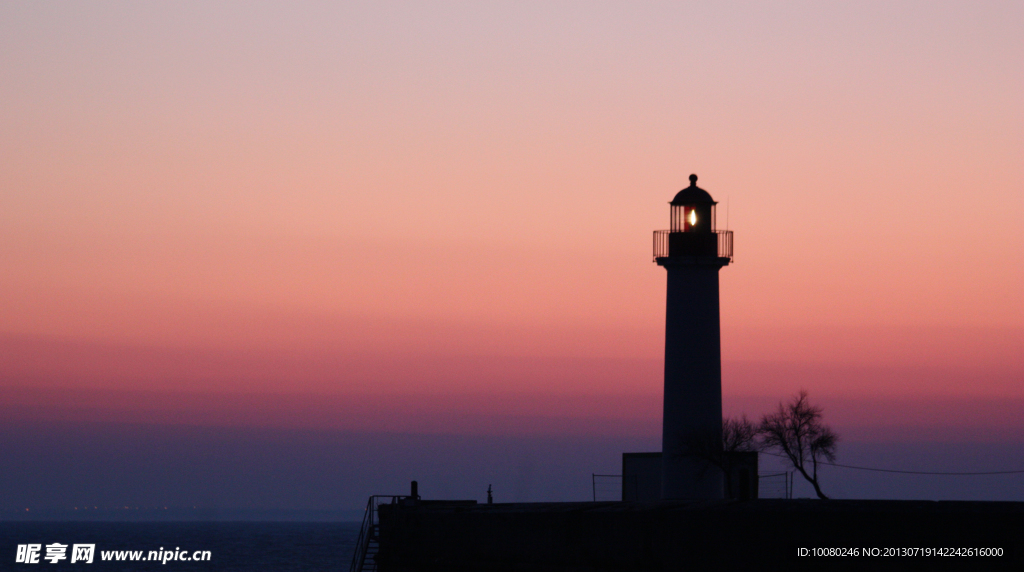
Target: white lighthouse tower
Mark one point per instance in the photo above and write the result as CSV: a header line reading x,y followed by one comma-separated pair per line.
x,y
692,251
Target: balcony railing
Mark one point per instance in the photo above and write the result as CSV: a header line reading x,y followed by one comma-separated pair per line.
x,y
668,243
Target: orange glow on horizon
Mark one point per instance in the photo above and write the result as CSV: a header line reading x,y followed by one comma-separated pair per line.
x,y
335,199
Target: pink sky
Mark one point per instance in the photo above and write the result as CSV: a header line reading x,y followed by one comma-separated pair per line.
x,y
458,200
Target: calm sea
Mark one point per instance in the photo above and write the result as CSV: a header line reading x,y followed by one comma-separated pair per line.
x,y
285,546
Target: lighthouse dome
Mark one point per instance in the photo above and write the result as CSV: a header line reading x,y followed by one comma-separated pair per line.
x,y
693,195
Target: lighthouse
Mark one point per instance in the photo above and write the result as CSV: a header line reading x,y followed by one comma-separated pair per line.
x,y
692,252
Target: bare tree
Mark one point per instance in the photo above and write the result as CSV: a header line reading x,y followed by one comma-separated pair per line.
x,y
739,435
796,430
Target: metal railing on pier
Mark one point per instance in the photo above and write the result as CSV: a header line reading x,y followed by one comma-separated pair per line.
x,y
367,543
775,486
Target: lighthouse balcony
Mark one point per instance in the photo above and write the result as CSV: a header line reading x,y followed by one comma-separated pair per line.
x,y
716,244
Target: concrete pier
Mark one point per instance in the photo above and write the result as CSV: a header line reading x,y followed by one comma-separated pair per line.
x,y
766,534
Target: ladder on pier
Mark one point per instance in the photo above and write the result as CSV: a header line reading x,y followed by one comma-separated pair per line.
x,y
368,544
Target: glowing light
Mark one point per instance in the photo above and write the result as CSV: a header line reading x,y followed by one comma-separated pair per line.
x,y
693,217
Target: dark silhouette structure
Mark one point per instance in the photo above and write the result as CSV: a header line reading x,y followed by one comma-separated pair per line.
x,y
739,458
765,534
734,451
692,252
674,518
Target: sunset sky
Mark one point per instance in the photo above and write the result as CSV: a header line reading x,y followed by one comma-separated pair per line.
x,y
436,218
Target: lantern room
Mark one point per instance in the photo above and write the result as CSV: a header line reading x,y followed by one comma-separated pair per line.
x,y
692,232
693,210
